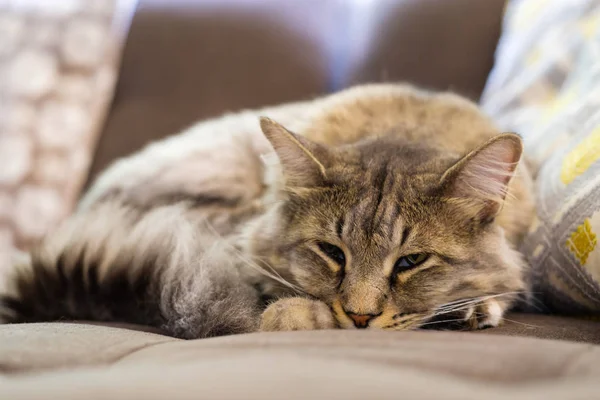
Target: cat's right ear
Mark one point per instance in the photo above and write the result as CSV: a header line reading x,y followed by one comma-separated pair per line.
x,y
482,176
300,165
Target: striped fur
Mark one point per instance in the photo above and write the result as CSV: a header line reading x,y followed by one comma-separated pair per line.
x,y
210,232
120,263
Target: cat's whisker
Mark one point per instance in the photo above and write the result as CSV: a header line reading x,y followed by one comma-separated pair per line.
x,y
534,302
452,310
522,323
516,322
477,299
273,274
462,305
280,278
459,306
441,322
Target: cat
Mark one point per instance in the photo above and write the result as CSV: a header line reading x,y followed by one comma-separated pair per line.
x,y
383,206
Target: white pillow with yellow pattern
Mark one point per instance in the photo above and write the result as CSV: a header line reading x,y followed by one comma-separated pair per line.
x,y
546,86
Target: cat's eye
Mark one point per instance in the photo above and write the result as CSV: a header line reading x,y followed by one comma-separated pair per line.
x,y
333,252
410,261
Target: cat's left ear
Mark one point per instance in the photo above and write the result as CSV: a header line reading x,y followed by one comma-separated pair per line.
x,y
482,176
297,155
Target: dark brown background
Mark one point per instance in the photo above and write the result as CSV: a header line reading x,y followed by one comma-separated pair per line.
x,y
186,60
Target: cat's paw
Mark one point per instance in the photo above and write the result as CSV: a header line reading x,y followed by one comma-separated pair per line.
x,y
487,314
297,314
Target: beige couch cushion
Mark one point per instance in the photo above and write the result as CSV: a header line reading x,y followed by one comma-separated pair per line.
x,y
74,361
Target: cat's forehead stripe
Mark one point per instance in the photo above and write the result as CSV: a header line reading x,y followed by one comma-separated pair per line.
x,y
378,213
405,234
383,185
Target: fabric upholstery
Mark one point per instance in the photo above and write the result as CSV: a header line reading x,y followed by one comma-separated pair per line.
x,y
546,86
98,362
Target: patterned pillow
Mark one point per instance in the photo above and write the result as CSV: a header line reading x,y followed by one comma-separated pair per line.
x,y
58,65
546,86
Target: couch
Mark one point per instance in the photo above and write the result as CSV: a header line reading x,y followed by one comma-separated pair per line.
x,y
185,60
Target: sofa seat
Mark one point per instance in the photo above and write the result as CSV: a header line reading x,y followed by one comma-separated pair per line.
x,y
531,356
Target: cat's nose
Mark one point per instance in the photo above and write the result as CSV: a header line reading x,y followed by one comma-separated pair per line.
x,y
361,321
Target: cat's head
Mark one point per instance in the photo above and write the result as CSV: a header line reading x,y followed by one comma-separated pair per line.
x,y
390,233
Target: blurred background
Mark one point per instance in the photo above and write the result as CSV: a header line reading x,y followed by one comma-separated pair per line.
x,y
83,82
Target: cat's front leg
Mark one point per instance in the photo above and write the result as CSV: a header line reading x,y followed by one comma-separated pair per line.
x,y
296,314
487,314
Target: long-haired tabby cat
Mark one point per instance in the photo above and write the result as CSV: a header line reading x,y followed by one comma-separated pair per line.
x,y
380,207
